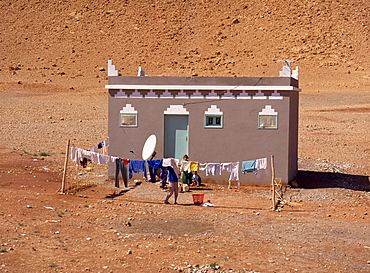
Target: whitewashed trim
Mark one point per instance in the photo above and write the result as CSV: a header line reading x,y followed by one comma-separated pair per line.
x,y
112,69
197,95
275,96
213,110
212,95
176,110
120,94
181,95
228,95
244,96
259,96
128,109
202,87
151,94
295,73
136,94
166,95
269,111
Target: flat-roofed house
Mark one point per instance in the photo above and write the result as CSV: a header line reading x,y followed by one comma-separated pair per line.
x,y
212,119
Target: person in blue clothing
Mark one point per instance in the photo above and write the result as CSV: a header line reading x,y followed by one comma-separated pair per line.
x,y
163,177
174,185
196,179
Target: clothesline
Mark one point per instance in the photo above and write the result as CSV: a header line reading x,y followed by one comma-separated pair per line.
x,y
77,155
101,145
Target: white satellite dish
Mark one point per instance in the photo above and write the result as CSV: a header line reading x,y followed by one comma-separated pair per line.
x,y
149,146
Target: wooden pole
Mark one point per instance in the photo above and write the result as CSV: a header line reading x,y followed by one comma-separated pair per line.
x,y
65,168
273,183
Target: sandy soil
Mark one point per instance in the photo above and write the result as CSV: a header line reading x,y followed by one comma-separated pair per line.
x,y
52,77
103,229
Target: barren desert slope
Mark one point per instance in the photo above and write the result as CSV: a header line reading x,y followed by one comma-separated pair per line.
x,y
53,69
54,58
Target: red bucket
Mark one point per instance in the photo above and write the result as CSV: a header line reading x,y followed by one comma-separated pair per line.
x,y
198,199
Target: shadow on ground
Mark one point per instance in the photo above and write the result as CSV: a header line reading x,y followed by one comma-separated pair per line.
x,y
122,192
312,180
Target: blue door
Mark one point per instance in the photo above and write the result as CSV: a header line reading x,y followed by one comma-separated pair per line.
x,y
175,136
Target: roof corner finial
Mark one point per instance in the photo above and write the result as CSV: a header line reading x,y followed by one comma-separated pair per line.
x,y
141,72
287,68
112,69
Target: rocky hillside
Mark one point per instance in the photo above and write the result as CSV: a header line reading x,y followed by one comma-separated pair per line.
x,y
68,43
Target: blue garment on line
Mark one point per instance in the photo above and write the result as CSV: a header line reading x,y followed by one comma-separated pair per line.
x,y
157,163
137,166
153,166
172,176
163,176
163,173
249,166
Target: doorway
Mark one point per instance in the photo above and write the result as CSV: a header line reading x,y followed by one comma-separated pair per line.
x,y
176,136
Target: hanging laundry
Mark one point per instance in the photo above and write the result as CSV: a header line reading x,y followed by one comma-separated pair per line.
x,y
113,160
163,172
213,168
249,166
172,175
105,145
104,159
261,164
185,166
77,155
94,149
74,155
233,169
163,177
106,142
121,166
153,166
94,157
173,162
202,166
194,166
137,166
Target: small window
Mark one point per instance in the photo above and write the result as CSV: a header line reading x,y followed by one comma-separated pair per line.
x,y
213,117
128,120
268,118
128,116
213,121
267,122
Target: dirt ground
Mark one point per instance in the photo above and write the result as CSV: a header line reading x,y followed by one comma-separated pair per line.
x,y
52,78
323,228
102,229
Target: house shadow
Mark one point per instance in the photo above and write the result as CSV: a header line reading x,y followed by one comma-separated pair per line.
x,y
122,192
199,189
315,180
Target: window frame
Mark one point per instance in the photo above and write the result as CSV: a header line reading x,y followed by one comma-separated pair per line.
x,y
213,125
269,127
121,114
